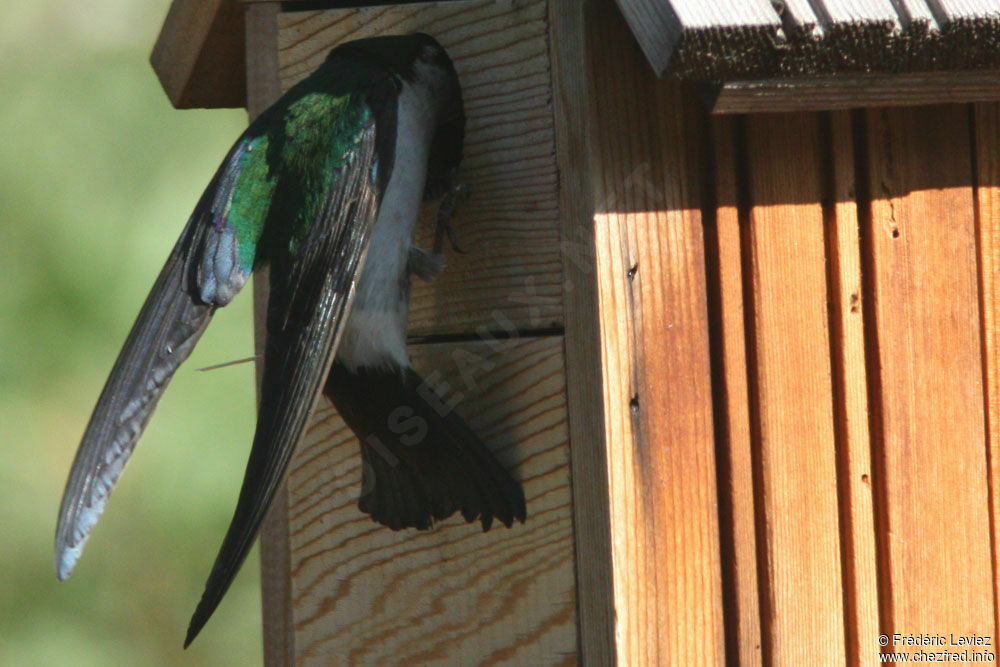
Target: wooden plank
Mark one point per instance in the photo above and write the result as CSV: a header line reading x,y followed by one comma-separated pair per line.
x,y
735,13
733,41
199,54
859,16
654,327
263,88
850,367
791,392
584,388
363,594
906,35
969,10
935,549
658,25
263,81
829,15
801,16
509,224
915,14
732,403
453,595
862,11
987,152
852,91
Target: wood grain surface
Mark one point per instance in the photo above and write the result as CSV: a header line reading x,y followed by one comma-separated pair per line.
x,y
849,364
790,443
986,133
866,356
733,40
263,88
657,376
200,54
738,502
584,376
363,594
935,547
852,91
360,593
791,390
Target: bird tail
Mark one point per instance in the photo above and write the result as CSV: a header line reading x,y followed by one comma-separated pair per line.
x,y
421,461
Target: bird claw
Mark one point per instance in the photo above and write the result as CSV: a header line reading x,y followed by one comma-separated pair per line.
x,y
425,265
445,211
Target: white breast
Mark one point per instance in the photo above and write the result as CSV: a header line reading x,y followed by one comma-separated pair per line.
x,y
375,332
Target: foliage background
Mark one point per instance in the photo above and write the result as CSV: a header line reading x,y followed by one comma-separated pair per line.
x,y
97,177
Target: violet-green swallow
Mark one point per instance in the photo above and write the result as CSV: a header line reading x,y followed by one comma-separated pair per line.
x,y
324,188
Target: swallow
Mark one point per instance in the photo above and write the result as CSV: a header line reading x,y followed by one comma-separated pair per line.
x,y
324,188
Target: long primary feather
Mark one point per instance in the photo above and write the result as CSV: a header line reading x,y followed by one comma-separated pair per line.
x,y
310,298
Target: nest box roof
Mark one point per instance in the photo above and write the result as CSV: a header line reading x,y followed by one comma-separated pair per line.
x,y
724,40
740,45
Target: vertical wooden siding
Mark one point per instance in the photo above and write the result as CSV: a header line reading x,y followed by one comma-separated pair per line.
x,y
867,274
850,280
799,369
922,240
491,343
646,161
986,148
791,390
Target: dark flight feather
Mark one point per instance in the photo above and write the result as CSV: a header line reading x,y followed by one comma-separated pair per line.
x,y
309,300
169,324
301,191
423,462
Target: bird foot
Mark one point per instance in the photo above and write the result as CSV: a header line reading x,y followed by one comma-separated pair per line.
x,y
425,265
445,211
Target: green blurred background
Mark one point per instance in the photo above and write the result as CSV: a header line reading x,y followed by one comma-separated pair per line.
x,y
99,174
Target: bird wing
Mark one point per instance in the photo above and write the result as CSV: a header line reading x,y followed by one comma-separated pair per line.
x,y
311,293
175,314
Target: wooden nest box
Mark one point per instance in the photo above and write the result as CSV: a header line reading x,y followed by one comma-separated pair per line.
x,y
745,365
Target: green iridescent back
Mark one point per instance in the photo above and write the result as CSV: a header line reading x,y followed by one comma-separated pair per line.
x,y
279,172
